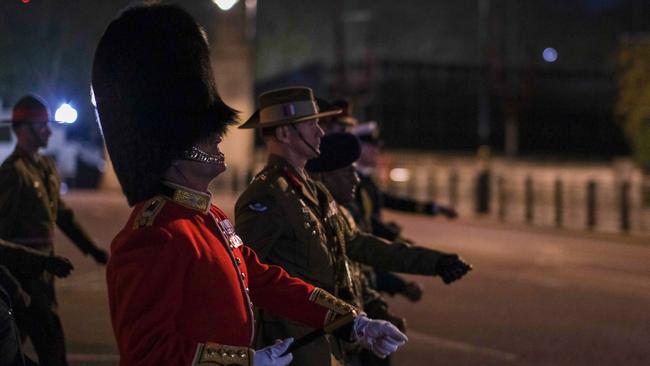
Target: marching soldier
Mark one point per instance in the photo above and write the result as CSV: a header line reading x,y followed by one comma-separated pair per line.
x,y
13,298
30,208
181,282
333,167
31,263
293,221
370,201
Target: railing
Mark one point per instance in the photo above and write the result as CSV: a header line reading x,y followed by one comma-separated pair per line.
x,y
584,196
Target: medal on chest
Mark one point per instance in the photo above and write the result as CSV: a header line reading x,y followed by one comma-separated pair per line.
x,y
228,232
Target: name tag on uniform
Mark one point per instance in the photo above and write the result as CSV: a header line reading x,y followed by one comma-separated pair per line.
x,y
228,232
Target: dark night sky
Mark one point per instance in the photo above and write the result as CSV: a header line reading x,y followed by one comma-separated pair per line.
x,y
295,32
425,57
46,46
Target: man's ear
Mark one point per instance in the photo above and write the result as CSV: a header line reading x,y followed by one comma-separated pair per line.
x,y
282,134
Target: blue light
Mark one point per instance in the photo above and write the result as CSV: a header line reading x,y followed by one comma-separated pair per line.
x,y
549,54
65,114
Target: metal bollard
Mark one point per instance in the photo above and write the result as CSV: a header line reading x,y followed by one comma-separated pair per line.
x,y
529,197
558,198
591,204
432,188
482,190
501,197
625,206
453,189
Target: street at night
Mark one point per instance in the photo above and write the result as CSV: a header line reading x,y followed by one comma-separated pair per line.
x,y
508,141
535,297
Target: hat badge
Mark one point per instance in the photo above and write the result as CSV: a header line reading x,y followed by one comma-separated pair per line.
x,y
288,110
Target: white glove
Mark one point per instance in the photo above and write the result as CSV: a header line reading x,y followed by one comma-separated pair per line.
x,y
270,356
379,336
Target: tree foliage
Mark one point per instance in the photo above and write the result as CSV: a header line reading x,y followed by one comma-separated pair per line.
x,y
633,103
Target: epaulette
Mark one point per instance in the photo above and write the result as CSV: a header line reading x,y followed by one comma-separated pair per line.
x,y
273,178
149,211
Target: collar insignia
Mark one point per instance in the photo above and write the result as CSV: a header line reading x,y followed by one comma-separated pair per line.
x,y
199,201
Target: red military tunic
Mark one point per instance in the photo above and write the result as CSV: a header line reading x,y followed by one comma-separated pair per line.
x,y
180,279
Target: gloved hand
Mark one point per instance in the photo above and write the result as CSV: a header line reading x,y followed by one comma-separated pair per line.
x,y
270,356
58,266
451,267
379,336
99,255
412,291
448,212
378,309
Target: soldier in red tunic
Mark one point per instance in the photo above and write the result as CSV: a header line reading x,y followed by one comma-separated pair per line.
x,y
181,282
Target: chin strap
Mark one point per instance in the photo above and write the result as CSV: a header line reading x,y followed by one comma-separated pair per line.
x,y
196,154
304,141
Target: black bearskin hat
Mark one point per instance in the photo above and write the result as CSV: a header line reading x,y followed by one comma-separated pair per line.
x,y
155,94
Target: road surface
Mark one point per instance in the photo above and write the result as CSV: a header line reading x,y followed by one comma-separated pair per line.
x,y
535,297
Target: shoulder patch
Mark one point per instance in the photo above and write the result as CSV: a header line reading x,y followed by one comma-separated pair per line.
x,y
258,207
148,213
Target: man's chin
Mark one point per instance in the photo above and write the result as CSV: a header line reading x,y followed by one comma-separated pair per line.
x,y
220,168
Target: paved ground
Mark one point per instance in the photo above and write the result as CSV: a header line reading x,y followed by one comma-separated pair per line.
x,y
536,297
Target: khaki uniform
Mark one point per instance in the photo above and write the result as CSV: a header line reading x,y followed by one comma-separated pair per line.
x,y
30,207
293,221
29,262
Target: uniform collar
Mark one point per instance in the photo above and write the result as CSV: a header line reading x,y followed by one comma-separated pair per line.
x,y
187,197
21,153
297,180
283,164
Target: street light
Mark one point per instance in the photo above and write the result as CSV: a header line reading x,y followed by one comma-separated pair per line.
x,y
225,4
65,114
549,54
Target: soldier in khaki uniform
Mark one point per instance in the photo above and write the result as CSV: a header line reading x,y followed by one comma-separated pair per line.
x,y
339,176
293,221
29,262
30,207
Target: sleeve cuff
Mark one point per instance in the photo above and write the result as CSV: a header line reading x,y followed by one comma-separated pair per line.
x,y
335,306
210,354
